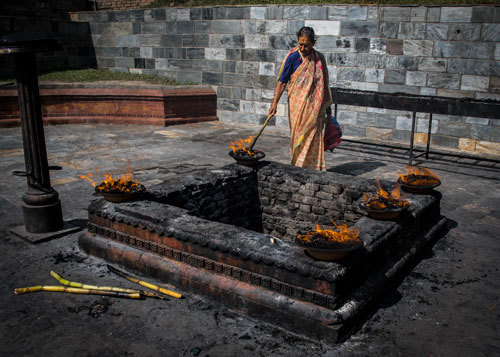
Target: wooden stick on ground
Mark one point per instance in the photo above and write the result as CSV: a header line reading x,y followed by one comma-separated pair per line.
x,y
144,283
75,284
64,289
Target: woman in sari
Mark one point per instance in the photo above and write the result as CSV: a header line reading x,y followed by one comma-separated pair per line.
x,y
304,70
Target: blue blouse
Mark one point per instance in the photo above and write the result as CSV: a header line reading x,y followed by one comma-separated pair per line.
x,y
291,64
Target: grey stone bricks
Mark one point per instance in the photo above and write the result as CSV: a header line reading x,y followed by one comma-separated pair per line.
x,y
296,12
318,12
258,12
491,32
432,65
153,27
183,27
226,27
482,14
274,12
443,80
456,14
283,42
388,29
351,74
474,83
195,41
395,76
430,50
463,49
418,48
414,30
437,31
481,132
394,47
359,28
396,14
464,32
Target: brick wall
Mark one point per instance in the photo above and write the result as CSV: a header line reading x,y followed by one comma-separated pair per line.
x,y
121,4
278,199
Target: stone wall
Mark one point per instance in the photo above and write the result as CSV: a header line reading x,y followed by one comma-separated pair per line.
x,y
444,51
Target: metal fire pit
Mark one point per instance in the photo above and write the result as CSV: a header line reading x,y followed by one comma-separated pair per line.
x,y
122,196
387,213
418,189
329,254
230,233
248,161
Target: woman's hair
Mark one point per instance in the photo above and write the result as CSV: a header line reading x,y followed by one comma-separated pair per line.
x,y
307,32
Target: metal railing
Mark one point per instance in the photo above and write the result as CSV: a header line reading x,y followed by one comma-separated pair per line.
x,y
417,104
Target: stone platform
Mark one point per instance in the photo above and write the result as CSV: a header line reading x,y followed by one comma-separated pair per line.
x,y
229,233
111,103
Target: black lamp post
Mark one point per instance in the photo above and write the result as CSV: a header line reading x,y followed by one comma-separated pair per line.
x,y
41,205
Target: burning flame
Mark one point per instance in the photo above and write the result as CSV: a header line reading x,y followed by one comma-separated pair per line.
x,y
343,234
419,176
383,200
125,183
241,145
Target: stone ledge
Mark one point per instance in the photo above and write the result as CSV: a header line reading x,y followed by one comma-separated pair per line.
x,y
115,104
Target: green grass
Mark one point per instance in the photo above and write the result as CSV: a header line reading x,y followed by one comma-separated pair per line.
x,y
94,75
189,3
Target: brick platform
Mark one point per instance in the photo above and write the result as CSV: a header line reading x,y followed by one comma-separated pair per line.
x,y
115,104
210,233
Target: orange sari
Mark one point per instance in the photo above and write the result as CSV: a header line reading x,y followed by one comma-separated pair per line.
x,y
308,97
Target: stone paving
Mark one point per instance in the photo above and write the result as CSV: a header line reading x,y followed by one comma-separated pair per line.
x,y
447,305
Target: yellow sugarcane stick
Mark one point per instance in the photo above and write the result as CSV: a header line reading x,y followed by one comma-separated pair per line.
x,y
64,289
144,283
101,288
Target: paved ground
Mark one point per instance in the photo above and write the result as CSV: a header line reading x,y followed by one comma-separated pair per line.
x,y
447,306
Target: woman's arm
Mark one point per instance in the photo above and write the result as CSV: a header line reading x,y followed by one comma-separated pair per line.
x,y
280,88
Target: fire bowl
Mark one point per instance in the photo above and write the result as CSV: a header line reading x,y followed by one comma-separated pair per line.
x,y
122,196
248,160
418,189
383,214
330,253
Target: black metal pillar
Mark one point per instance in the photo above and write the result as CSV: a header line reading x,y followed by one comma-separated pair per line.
x,y
412,137
41,205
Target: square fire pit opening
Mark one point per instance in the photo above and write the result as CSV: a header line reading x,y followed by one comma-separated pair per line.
x,y
230,233
280,200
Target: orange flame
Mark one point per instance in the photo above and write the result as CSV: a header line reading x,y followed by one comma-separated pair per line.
x,y
125,183
241,145
382,200
419,176
342,234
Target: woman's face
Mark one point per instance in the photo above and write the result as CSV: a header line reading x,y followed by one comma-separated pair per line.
x,y
305,45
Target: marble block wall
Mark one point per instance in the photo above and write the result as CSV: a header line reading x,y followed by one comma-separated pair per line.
x,y
428,50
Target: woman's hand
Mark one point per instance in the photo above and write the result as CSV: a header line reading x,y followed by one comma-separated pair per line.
x,y
273,108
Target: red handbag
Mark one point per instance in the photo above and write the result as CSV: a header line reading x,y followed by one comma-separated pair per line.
x,y
333,133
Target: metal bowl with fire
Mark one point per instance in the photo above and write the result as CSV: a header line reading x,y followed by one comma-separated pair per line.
x,y
330,244
419,180
122,189
384,205
243,154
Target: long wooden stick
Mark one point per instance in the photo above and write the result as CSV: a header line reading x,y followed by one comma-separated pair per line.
x,y
144,283
260,131
75,284
65,289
